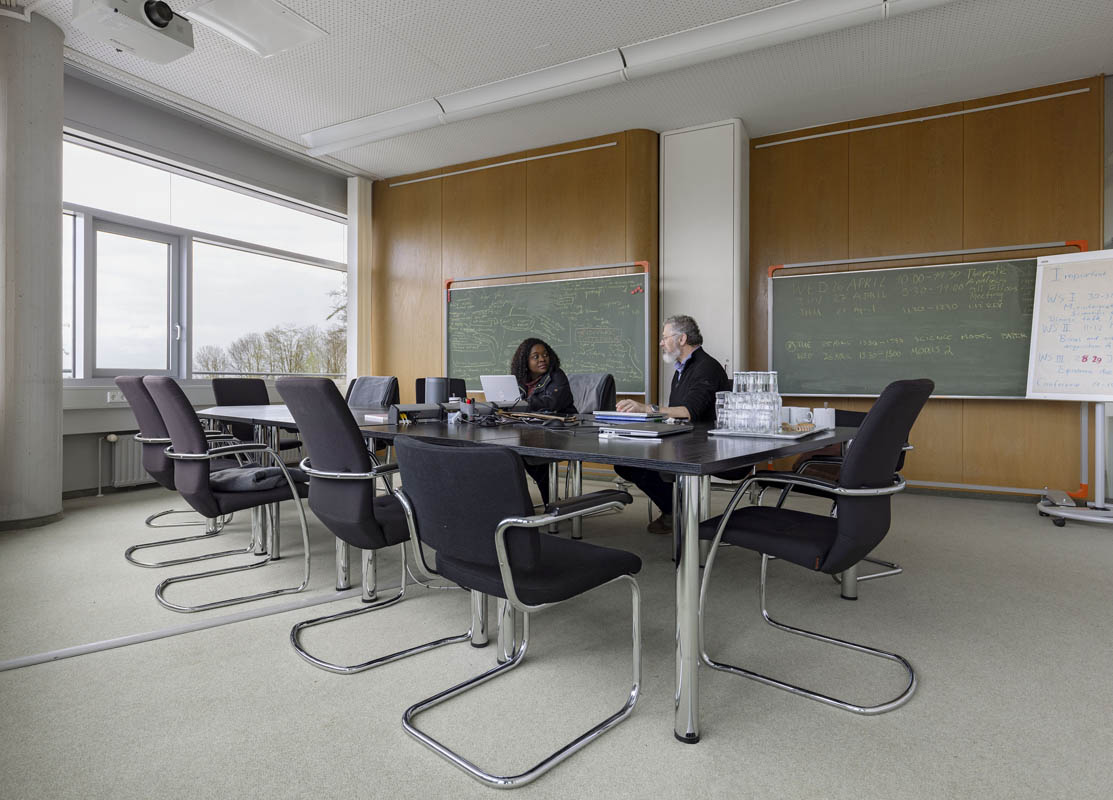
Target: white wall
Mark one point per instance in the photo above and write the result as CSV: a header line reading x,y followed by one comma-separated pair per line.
x,y
704,259
111,114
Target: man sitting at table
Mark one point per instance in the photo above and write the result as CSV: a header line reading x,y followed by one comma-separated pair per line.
x,y
698,377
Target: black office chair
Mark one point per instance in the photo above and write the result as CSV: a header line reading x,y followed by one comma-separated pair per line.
x,y
154,438
823,543
248,392
372,391
825,464
470,504
456,388
220,493
342,495
592,391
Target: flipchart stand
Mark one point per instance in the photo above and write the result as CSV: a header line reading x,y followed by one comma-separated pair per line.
x,y
1095,511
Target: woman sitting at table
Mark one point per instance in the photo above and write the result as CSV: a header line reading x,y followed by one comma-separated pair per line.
x,y
544,386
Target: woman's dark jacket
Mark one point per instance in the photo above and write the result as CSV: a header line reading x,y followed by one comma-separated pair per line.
x,y
552,394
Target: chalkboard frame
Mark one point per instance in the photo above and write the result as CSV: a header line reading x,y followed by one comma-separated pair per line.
x,y
769,321
645,310
1042,264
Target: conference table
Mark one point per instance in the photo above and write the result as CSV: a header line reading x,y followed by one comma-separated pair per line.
x,y
692,457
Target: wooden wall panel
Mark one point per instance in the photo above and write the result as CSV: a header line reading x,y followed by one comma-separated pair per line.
x,y
1033,171
798,212
484,217
576,207
597,206
406,332
1031,175
905,187
1021,174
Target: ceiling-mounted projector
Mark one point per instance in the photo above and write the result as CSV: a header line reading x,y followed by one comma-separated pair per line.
x,y
145,28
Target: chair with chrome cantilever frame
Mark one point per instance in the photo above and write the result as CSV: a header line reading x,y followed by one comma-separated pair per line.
x,y
470,504
191,455
154,439
825,464
867,480
342,495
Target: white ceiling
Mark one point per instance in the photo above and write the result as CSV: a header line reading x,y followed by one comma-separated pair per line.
x,y
382,54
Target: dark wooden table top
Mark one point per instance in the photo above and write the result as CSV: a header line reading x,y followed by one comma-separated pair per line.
x,y
694,453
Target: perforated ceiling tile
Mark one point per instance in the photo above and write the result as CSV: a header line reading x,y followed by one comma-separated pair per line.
x,y
382,54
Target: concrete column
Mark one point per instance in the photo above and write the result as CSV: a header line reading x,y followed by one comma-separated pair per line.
x,y
30,271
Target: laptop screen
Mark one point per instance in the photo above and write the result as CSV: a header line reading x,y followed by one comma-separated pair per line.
x,y
500,388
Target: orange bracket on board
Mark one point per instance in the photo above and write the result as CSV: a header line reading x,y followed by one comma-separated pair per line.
x,y
1082,493
1083,246
448,289
774,268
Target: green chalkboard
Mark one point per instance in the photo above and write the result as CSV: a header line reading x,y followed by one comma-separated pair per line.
x,y
594,325
965,326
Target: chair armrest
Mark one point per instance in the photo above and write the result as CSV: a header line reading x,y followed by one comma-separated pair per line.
x,y
793,479
150,439
572,505
217,452
596,501
376,471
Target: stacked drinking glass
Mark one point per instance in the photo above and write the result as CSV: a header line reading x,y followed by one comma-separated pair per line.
x,y
753,407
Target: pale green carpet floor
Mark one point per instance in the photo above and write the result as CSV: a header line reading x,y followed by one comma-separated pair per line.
x,y
1006,618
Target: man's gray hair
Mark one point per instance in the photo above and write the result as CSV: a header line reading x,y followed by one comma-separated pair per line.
x,y
682,323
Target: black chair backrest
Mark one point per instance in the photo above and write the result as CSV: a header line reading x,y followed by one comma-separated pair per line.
x,y
190,477
592,391
155,461
241,392
331,437
372,390
456,388
460,492
871,462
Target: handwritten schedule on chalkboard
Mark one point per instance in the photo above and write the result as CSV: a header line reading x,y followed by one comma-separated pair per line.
x,y
965,326
594,324
1072,332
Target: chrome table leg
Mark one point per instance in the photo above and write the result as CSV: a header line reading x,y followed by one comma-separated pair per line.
x,y
273,539
576,470
686,716
704,513
554,489
478,619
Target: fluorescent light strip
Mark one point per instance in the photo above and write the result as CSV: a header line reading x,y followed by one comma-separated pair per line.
x,y
504,164
571,77
789,21
921,119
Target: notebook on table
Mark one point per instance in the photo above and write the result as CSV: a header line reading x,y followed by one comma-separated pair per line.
x,y
627,416
644,430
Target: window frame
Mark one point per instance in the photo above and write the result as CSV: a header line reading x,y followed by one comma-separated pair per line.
x,y
173,297
88,221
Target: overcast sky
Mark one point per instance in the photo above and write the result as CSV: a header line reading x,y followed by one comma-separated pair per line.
x,y
234,292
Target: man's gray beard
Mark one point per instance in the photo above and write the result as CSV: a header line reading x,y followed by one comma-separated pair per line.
x,y
670,358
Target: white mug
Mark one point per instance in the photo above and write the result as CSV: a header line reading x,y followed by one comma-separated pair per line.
x,y
794,415
823,417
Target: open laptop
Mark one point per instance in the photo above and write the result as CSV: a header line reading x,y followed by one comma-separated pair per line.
x,y
500,389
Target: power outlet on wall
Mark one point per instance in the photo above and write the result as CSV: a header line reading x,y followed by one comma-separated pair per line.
x,y
116,396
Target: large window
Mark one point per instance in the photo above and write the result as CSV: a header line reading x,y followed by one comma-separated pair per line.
x,y
244,338
167,273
